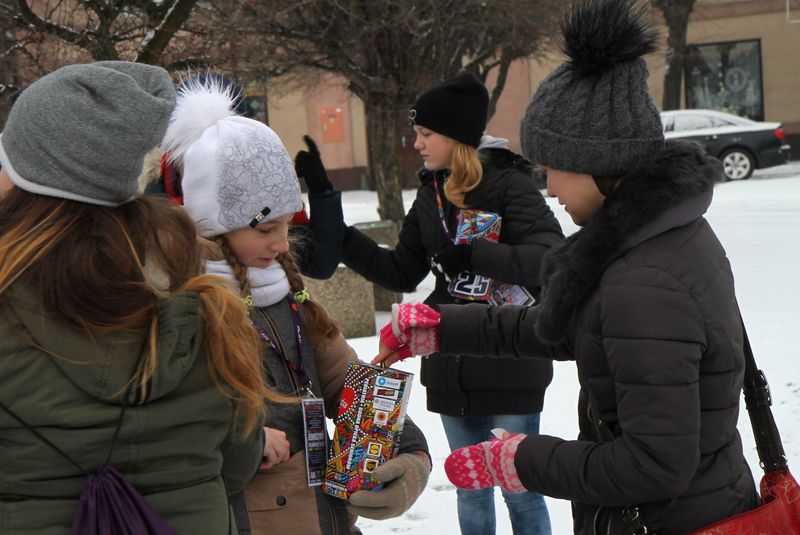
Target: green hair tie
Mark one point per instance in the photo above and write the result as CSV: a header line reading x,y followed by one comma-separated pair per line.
x,y
302,296
247,302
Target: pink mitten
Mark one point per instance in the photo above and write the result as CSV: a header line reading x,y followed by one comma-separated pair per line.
x,y
487,464
415,325
393,342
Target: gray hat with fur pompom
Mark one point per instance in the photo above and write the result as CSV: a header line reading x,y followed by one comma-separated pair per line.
x,y
594,114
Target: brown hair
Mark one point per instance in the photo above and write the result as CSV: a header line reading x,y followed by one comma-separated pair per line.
x,y
322,328
466,173
87,264
606,184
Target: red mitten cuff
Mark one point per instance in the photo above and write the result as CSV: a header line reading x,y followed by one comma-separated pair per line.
x,y
394,343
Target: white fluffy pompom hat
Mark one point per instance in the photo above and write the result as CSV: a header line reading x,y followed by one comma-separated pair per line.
x,y
236,171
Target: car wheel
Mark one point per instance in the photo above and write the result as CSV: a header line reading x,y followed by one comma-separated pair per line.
x,y
738,164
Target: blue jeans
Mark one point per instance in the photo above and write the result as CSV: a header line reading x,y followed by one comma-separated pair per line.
x,y
476,507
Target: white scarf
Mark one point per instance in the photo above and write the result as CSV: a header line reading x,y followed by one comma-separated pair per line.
x,y
267,285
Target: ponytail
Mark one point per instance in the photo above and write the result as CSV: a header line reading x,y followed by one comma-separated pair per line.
x,y
466,173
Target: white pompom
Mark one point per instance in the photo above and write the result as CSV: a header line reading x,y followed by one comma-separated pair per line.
x,y
199,105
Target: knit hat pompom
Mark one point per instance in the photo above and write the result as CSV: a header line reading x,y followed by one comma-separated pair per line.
x,y
598,34
200,103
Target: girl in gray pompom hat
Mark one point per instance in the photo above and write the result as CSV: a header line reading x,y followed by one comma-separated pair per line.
x,y
641,297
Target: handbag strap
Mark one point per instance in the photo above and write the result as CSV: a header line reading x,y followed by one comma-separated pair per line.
x,y
758,400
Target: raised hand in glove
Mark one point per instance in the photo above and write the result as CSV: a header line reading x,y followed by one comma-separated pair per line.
x,y
412,331
488,464
404,478
308,164
453,260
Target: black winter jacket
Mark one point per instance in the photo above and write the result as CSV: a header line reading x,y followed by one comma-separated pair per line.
x,y
472,386
643,299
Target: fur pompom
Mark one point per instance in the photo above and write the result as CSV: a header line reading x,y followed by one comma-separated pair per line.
x,y
598,34
200,103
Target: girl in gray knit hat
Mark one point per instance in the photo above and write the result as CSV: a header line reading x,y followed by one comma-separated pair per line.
x,y
116,351
641,297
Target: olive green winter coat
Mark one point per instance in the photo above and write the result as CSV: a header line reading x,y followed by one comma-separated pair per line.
x,y
173,448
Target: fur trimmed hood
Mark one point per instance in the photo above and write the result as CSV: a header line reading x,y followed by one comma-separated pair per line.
x,y
491,158
670,190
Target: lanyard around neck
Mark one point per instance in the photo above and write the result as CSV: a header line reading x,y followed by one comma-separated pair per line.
x,y
277,346
442,218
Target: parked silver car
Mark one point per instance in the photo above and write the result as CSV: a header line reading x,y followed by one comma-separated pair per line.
x,y
742,145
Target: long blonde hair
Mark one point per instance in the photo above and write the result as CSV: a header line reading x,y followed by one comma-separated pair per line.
x,y
466,172
321,326
87,265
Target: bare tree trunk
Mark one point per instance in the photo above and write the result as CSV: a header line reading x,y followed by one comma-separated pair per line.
x,y
500,84
676,14
382,142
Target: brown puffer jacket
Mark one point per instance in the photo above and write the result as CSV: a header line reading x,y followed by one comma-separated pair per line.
x,y
280,500
642,298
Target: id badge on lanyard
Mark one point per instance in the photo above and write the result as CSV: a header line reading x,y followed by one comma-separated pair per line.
x,y
315,438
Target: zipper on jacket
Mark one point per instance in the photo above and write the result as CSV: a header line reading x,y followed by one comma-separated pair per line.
x,y
594,520
147,373
334,524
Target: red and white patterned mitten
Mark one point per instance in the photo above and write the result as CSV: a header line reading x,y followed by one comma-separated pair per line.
x,y
416,325
487,464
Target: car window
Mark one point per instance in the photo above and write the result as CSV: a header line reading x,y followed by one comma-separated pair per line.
x,y
718,121
684,123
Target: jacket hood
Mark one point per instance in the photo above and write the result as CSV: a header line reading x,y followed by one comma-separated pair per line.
x,y
101,365
671,190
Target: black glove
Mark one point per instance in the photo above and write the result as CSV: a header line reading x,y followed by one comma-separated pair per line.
x,y
453,259
308,165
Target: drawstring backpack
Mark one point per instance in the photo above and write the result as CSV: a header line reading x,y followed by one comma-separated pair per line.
x,y
109,504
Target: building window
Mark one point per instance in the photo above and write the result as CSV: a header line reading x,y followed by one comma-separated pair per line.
x,y
257,107
725,77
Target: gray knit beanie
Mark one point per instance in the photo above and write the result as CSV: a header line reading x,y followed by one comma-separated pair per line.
x,y
82,131
594,114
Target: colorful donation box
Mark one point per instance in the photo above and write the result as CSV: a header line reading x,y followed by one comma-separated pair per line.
x,y
368,426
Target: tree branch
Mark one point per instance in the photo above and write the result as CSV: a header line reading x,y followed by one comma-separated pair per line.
x,y
155,41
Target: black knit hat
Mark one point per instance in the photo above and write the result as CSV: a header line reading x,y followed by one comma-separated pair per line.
x,y
594,113
456,108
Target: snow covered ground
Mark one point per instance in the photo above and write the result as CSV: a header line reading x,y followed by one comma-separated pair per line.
x,y
758,222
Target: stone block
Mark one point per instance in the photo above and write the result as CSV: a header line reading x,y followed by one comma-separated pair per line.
x,y
347,297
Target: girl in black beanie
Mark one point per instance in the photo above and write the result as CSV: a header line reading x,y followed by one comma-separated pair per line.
x,y
463,169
